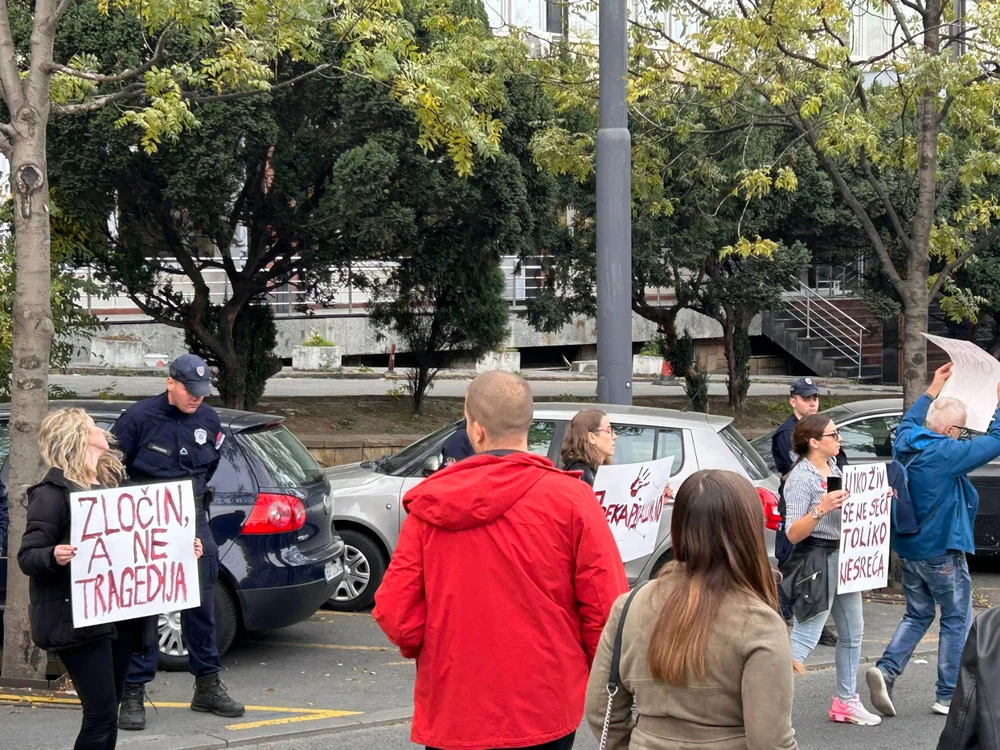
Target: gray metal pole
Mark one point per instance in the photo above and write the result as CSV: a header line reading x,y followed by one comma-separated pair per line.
x,y
614,212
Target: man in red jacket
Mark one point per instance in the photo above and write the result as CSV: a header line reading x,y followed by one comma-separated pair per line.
x,y
501,583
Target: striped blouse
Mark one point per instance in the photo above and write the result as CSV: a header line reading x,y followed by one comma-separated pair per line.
x,y
804,488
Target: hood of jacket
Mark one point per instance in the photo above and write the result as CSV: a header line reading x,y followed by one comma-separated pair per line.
x,y
477,490
917,440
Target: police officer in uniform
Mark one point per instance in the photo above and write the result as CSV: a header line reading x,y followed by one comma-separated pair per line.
x,y
176,436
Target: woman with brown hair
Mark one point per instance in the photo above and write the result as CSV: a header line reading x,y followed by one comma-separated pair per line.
x,y
589,444
701,639
812,520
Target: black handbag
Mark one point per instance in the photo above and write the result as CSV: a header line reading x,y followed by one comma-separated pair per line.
x,y
616,658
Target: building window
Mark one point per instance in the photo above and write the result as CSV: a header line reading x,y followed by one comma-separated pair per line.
x,y
554,16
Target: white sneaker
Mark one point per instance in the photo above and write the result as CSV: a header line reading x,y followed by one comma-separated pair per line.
x,y
879,692
941,707
853,712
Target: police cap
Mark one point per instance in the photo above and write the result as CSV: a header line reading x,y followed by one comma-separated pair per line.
x,y
804,387
192,372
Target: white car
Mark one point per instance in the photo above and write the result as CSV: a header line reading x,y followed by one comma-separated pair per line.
x,y
367,497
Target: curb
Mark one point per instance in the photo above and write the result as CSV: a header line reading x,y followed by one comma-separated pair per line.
x,y
812,666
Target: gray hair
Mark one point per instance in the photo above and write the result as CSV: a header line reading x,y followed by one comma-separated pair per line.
x,y
945,412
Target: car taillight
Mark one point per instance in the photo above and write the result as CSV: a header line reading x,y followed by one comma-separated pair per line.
x,y
772,519
274,514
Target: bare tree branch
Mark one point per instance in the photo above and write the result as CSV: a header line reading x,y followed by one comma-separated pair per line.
x,y
132,91
158,55
883,196
9,75
988,239
901,20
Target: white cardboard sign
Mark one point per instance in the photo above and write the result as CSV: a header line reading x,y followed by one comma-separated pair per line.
x,y
973,381
134,552
632,498
864,524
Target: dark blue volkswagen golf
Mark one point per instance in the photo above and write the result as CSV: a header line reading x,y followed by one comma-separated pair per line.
x,y
272,517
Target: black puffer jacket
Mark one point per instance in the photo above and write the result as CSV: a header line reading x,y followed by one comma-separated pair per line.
x,y
588,474
50,603
974,720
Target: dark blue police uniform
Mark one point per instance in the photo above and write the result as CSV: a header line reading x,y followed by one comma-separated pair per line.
x,y
458,445
161,442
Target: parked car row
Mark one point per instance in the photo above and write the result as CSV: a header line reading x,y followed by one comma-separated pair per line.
x,y
279,553
868,430
367,497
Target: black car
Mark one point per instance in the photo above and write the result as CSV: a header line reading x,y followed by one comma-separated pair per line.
x,y
272,517
868,429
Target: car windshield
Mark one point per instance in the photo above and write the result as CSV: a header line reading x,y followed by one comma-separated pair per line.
x,y
752,463
397,462
838,413
289,463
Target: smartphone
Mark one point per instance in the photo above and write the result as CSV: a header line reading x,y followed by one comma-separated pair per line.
x,y
834,483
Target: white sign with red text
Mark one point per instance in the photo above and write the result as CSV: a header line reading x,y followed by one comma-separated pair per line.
x,y
864,529
632,498
134,552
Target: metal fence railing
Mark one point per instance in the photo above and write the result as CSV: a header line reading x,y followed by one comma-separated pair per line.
x,y
349,293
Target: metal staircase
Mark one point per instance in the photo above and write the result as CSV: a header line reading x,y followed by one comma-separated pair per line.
x,y
823,337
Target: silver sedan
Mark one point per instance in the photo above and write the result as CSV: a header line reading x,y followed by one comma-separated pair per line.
x,y
367,497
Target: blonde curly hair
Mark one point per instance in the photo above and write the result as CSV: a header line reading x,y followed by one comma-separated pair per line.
x,y
63,440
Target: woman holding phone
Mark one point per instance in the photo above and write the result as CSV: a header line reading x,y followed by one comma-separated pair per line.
x,y
813,497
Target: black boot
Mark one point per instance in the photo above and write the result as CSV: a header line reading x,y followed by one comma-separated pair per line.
x,y
210,696
132,713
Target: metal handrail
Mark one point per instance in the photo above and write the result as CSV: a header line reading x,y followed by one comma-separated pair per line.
x,y
830,322
811,293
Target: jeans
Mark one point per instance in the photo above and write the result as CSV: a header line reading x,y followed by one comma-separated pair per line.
x,y
566,743
849,618
98,671
943,581
198,625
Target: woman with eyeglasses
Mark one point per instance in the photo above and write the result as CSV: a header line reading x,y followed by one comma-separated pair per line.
x,y
589,444
813,514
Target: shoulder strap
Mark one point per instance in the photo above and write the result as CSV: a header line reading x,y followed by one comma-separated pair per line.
x,y
616,652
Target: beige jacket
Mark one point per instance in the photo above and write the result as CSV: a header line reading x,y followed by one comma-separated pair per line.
x,y
745,702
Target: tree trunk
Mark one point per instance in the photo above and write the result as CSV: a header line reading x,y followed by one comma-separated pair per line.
x,y
419,383
915,317
30,374
736,341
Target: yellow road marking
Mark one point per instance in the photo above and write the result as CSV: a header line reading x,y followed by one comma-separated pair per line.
x,y
292,719
39,699
301,714
319,645
327,613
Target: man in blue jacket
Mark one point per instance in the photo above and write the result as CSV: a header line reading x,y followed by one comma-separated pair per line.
x,y
934,569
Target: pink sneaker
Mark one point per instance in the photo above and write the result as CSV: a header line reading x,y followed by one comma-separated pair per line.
x,y
853,712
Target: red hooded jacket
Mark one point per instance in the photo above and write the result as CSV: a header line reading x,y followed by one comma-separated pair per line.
x,y
501,583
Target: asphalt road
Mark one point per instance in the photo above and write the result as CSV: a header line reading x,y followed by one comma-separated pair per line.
x,y
134,387
916,728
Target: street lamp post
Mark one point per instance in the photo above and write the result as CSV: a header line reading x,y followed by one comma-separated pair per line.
x,y
614,212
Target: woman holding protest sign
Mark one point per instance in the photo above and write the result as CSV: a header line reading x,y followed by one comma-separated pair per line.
x,y
813,497
693,649
78,457
589,444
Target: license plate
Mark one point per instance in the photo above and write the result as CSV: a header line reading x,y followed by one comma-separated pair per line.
x,y
332,570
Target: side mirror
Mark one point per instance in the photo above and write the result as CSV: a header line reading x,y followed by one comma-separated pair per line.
x,y
432,464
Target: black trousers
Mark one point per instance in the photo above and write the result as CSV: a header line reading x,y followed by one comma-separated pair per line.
x,y
98,670
566,743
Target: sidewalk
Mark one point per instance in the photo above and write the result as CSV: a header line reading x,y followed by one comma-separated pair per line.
x,y
310,705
